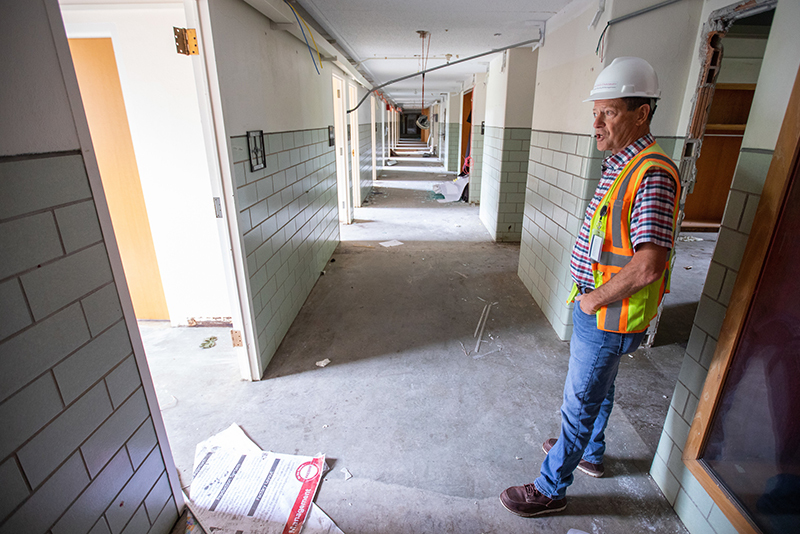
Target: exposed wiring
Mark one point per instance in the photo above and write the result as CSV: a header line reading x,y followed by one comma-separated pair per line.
x,y
601,43
313,41
438,67
304,35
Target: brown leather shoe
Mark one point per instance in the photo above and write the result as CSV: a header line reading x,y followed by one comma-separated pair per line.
x,y
593,470
527,501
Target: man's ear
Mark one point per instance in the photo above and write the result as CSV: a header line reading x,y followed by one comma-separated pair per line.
x,y
642,113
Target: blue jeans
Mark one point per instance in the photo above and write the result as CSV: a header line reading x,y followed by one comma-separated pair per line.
x,y
588,399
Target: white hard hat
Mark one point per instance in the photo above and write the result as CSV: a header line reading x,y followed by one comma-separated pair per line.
x,y
626,77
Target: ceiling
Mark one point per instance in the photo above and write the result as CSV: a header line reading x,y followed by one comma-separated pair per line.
x,y
380,37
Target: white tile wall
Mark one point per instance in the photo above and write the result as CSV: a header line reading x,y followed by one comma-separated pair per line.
x,y
503,176
476,171
289,226
72,408
453,160
690,500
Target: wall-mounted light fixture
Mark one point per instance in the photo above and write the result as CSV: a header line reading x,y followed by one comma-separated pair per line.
x,y
255,145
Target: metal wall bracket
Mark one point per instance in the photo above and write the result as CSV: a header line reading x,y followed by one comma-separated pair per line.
x,y
285,26
186,41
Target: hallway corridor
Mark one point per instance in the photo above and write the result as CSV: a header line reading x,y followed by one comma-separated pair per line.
x,y
431,434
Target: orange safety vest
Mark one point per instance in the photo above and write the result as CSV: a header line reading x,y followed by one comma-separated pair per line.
x,y
612,221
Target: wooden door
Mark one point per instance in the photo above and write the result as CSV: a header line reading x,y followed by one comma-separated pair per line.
x,y
101,92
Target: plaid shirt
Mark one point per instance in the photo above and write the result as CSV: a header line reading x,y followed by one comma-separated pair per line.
x,y
651,217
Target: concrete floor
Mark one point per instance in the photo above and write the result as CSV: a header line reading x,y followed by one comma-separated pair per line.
x,y
431,435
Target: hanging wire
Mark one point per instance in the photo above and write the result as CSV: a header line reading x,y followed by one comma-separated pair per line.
x,y
304,35
313,41
600,41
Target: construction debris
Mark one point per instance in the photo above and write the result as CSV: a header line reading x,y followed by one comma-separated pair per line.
x,y
689,238
482,324
347,474
209,342
239,487
392,243
323,363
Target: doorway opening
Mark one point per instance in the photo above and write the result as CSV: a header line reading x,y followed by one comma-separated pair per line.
x,y
730,82
145,120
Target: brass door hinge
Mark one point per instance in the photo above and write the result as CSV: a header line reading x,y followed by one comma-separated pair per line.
x,y
236,337
186,41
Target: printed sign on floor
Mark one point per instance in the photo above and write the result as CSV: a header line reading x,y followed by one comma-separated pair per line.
x,y
239,489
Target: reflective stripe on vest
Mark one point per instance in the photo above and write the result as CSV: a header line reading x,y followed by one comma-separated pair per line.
x,y
632,314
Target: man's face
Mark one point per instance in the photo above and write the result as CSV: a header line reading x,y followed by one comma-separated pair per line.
x,y
614,126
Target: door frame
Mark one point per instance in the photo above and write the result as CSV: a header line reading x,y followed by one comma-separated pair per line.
x,y
222,186
345,197
355,152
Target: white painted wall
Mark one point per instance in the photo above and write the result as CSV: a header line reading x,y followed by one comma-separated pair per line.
x,y
568,64
776,78
741,59
567,68
521,85
479,99
666,38
161,101
291,96
496,92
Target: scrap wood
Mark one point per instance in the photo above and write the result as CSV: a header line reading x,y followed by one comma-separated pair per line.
x,y
464,349
478,327
480,335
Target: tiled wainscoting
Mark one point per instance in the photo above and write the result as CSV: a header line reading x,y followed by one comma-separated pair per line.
x,y
365,159
78,450
289,225
476,171
503,176
691,502
453,163
563,172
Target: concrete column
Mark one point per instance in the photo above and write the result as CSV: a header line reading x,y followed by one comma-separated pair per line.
x,y
509,106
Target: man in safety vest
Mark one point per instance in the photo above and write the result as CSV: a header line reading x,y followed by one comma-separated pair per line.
x,y
620,268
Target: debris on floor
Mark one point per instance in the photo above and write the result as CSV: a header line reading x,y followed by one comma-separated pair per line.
x,y
323,363
237,487
451,191
347,474
392,243
481,326
688,267
391,162
209,342
689,238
